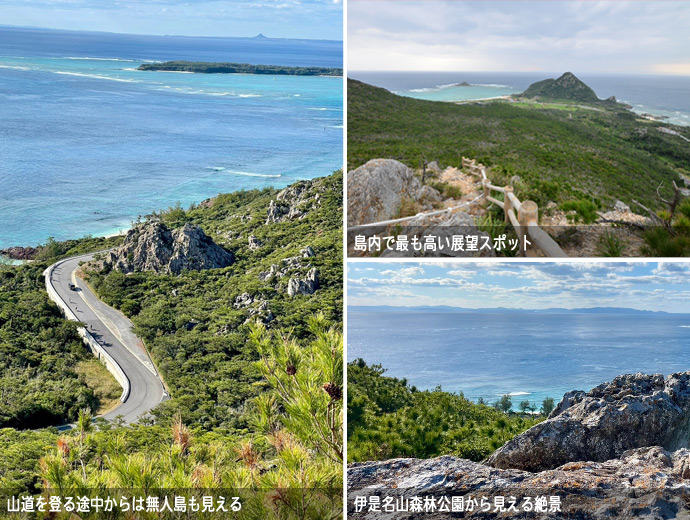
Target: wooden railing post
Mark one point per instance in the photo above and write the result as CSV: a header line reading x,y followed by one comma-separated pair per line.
x,y
486,191
507,204
528,213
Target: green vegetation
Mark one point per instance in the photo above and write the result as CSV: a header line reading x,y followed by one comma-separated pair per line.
x,y
673,237
584,211
566,87
39,355
229,423
599,155
387,418
282,470
446,189
240,68
610,244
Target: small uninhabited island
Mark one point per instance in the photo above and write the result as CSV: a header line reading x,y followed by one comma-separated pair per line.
x,y
203,67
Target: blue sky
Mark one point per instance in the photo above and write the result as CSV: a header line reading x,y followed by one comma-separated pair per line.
x,y
311,19
643,37
644,286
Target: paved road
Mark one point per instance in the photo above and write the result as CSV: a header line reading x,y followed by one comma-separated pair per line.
x,y
113,331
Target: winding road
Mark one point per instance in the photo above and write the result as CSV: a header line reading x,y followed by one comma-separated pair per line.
x,y
123,352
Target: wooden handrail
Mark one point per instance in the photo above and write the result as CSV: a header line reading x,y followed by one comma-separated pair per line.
x,y
523,216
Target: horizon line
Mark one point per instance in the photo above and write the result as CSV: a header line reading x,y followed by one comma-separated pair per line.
x,y
517,72
515,308
164,35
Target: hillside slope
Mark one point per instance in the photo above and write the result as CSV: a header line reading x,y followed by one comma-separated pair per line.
x,y
560,152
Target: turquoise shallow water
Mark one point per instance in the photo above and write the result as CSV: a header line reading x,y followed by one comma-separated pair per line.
x,y
665,96
88,143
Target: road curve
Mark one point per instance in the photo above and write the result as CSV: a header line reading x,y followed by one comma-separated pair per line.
x,y
113,332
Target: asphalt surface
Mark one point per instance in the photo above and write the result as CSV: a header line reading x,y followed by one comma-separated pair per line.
x,y
114,332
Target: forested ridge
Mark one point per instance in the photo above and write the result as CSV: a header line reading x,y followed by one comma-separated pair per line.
x,y
237,417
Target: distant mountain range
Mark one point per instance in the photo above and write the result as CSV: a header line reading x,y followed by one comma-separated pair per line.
x,y
505,310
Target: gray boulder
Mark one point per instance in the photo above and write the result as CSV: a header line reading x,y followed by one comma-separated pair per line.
x,y
632,411
253,242
375,191
307,285
646,483
152,246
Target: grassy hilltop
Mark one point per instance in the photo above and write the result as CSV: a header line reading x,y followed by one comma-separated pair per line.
x,y
561,151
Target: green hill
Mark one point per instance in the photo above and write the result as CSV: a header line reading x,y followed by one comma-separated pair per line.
x,y
238,418
566,87
561,152
387,418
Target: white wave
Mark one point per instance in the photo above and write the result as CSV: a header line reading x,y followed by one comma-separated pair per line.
x,y
14,67
96,59
249,95
495,85
93,76
250,174
684,326
515,394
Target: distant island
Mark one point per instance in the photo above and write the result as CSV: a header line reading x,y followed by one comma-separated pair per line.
x,y
202,67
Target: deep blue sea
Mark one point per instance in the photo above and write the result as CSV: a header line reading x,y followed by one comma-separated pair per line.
x,y
530,356
667,96
88,143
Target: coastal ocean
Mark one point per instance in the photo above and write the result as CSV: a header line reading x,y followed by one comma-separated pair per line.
x,y
663,96
529,356
88,143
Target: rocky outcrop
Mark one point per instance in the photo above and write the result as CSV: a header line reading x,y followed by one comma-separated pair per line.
x,y
253,242
294,202
19,253
152,246
307,285
632,411
376,191
648,483
288,265
257,307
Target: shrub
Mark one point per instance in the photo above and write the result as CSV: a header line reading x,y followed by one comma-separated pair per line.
x,y
583,210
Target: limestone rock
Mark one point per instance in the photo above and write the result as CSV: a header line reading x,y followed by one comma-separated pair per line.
x,y
434,167
375,191
647,483
307,285
307,252
632,411
253,242
293,202
152,246
243,300
621,207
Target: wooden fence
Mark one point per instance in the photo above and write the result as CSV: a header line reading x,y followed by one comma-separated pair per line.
x,y
523,216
